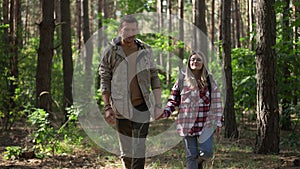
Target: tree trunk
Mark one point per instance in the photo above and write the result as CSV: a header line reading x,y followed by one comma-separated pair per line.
x,y
105,16
237,23
169,61
200,42
6,52
250,25
212,31
159,10
45,55
229,114
267,137
78,20
92,17
15,41
100,31
232,29
88,52
286,123
66,53
26,27
181,31
296,9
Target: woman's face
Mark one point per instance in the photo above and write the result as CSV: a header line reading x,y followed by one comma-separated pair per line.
x,y
196,62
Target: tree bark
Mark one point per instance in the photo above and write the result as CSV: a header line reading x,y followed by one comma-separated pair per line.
x,y
88,52
286,123
267,137
78,22
250,24
45,55
66,53
229,114
100,19
6,52
169,55
15,42
212,31
181,31
199,17
159,10
237,22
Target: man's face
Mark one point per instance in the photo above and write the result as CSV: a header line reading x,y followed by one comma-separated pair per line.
x,y
128,31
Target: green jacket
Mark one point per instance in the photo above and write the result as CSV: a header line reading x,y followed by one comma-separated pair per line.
x,y
113,71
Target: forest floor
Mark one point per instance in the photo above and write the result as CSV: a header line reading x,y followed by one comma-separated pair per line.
x,y
229,153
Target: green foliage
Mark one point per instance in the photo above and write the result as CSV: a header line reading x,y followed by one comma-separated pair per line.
x,y
287,60
243,78
292,140
43,136
47,140
130,7
12,152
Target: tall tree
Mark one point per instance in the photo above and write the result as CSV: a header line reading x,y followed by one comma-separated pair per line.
x,y
212,31
26,27
88,52
296,14
100,19
15,45
181,30
286,123
199,20
91,15
237,24
169,62
229,114
159,10
105,16
267,137
78,23
6,52
45,55
250,24
66,53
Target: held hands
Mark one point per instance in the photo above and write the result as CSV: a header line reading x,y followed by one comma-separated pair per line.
x,y
218,131
159,112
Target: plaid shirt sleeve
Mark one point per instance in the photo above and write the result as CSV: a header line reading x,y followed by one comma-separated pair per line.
x,y
173,100
216,105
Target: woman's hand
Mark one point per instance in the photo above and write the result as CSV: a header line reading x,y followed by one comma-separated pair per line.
x,y
218,131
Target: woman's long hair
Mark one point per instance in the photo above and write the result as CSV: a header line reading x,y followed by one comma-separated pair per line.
x,y
190,77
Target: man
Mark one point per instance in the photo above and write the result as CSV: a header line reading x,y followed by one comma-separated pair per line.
x,y
128,76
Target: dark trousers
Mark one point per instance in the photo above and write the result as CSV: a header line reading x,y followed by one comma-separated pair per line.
x,y
132,137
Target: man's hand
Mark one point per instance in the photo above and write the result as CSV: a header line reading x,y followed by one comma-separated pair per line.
x,y
110,116
158,112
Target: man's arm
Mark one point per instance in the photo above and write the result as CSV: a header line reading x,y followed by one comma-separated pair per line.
x,y
110,115
106,76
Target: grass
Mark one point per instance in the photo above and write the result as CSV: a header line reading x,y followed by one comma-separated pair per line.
x,y
228,153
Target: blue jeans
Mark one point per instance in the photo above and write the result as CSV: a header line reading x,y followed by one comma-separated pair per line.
x,y
191,144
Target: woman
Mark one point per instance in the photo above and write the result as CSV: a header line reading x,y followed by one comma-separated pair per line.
x,y
200,109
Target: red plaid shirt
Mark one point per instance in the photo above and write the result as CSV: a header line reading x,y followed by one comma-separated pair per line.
x,y
195,109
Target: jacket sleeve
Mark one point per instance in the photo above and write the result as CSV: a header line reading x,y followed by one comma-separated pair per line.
x,y
105,70
155,82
